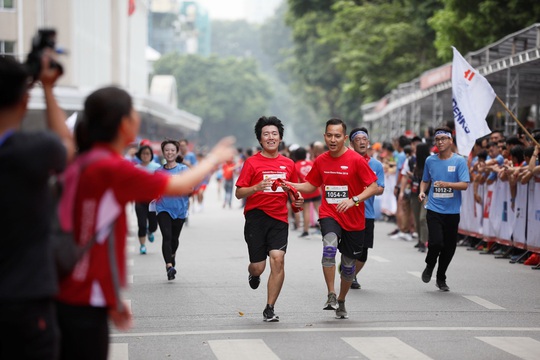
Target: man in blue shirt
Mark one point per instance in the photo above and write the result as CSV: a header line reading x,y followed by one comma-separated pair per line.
x,y
446,174
360,142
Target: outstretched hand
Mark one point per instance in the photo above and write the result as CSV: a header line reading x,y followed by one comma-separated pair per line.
x,y
224,150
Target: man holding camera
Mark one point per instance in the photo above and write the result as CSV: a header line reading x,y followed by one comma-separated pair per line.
x,y
28,328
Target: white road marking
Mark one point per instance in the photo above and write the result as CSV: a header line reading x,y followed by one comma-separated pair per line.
x,y
417,274
131,249
483,302
130,262
130,279
306,330
241,349
383,348
523,347
118,351
378,258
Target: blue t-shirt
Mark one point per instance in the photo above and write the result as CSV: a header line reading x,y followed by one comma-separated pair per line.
x,y
493,175
377,168
175,206
454,169
151,167
191,158
400,160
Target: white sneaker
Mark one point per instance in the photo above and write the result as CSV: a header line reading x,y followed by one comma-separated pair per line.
x,y
415,235
398,235
406,237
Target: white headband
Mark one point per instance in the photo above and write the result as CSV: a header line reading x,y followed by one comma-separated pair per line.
x,y
442,132
359,132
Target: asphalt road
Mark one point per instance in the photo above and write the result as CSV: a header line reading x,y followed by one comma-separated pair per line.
x,y
209,311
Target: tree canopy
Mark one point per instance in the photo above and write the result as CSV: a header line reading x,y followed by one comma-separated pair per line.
x,y
228,93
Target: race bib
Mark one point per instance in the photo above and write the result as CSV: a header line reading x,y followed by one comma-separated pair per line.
x,y
273,177
334,194
443,192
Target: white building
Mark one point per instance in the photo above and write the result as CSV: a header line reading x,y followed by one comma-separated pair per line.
x,y
105,45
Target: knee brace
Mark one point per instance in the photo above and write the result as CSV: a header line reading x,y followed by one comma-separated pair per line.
x,y
330,242
348,267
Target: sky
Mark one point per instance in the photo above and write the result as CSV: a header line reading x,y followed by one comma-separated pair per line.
x,y
251,10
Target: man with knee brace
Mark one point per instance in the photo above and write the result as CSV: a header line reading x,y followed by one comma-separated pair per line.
x,y
346,181
359,139
266,229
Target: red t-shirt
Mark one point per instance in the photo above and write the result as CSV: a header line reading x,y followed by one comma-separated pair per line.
x,y
255,169
342,178
303,167
105,187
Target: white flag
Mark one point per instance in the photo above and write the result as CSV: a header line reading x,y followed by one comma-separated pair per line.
x,y
472,98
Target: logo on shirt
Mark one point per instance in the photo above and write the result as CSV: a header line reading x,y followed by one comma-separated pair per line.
x,y
282,167
344,167
451,169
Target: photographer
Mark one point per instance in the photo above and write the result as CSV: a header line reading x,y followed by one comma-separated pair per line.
x,y
28,326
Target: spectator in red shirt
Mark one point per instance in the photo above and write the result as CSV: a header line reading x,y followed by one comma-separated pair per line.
x,y
90,294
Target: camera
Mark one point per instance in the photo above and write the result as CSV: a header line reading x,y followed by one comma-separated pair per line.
x,y
44,38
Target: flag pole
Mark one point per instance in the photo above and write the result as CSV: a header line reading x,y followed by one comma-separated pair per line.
x,y
518,122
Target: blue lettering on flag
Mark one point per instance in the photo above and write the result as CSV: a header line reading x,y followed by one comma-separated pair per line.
x,y
458,116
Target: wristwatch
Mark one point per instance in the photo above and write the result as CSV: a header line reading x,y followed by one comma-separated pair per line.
x,y
356,200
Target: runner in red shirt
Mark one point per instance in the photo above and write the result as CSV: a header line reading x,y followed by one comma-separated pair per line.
x,y
346,180
90,294
266,229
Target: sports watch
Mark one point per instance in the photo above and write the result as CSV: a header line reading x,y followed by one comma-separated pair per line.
x,y
356,200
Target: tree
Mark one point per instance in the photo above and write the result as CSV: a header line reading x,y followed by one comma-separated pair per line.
x,y
313,67
381,43
472,24
227,93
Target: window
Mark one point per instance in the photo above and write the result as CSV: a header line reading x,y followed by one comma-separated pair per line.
x,y
6,4
7,47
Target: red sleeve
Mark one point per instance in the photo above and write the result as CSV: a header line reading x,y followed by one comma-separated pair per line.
x,y
134,184
245,179
314,176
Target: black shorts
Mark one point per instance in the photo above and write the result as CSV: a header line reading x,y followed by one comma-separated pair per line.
x,y
263,233
314,199
350,243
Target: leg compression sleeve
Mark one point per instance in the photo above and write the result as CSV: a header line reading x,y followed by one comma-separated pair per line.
x,y
348,267
330,242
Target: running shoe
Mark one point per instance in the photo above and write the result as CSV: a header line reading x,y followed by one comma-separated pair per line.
x,y
441,284
304,234
151,237
355,284
171,272
341,312
269,315
426,274
254,281
331,303
142,249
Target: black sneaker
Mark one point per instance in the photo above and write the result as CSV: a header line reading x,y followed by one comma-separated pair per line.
x,y
171,272
355,284
304,234
441,284
426,275
254,281
269,315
